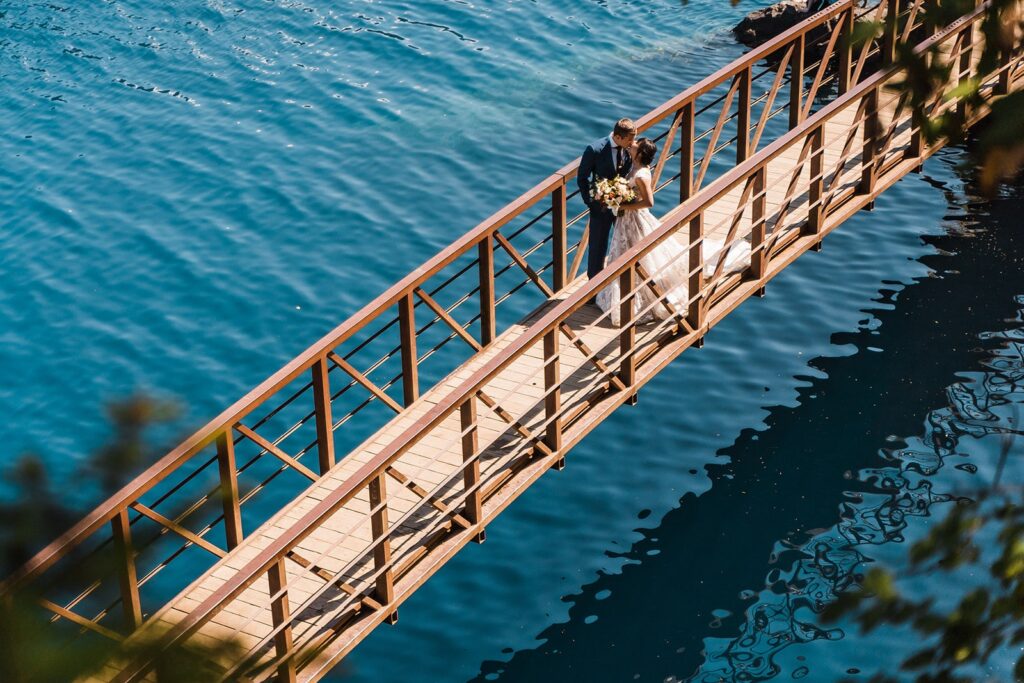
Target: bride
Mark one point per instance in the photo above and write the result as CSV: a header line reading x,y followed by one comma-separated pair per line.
x,y
667,264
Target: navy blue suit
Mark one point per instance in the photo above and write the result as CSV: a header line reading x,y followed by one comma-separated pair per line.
x,y
599,162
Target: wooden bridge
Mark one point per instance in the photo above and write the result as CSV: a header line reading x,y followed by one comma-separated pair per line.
x,y
462,384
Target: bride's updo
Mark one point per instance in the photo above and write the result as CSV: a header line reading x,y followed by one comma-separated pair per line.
x,y
646,150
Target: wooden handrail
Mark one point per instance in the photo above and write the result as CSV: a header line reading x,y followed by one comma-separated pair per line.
x,y
223,422
539,330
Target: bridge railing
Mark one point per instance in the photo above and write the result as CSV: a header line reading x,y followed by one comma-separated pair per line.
x,y
833,177
285,433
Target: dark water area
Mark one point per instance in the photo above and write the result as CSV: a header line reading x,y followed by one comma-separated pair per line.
x,y
728,583
193,192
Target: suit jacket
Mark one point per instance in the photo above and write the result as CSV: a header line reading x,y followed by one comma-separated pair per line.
x,y
599,162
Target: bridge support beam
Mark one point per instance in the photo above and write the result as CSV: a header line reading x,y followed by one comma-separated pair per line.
x,y
322,415
280,613
816,187
845,50
553,397
964,70
628,336
410,363
695,315
473,507
796,82
487,320
743,116
385,582
121,527
758,257
229,489
686,135
558,238
872,132
890,31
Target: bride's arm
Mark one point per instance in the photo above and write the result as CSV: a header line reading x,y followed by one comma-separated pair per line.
x,y
644,194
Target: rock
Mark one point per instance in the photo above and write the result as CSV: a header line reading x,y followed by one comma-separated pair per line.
x,y
764,24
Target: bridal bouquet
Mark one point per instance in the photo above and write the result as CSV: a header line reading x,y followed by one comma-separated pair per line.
x,y
612,192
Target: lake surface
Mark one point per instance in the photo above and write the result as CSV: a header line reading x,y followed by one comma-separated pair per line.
x,y
193,192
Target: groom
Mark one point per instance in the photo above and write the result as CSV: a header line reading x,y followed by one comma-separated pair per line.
x,y
606,158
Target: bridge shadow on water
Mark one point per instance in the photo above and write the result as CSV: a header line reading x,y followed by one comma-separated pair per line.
x,y
792,510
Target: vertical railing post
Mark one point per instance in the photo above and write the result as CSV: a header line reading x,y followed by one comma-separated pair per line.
x,y
695,313
128,578
872,131
890,31
743,117
553,397
917,143
229,489
385,584
796,82
686,135
964,68
280,613
816,211
559,267
322,415
407,332
1004,60
845,50
473,508
758,257
627,333
486,262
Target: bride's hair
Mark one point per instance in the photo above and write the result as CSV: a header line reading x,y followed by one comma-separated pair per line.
x,y
646,150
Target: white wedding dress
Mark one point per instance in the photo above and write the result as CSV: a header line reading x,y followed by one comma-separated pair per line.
x,y
667,264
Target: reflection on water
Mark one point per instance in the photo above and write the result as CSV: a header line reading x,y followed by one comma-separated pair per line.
x,y
831,562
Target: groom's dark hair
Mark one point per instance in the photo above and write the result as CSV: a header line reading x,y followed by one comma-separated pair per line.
x,y
624,127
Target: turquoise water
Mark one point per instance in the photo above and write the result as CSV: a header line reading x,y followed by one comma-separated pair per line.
x,y
193,192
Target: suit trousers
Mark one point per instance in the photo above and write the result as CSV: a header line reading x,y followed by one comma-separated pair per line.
x,y
601,221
